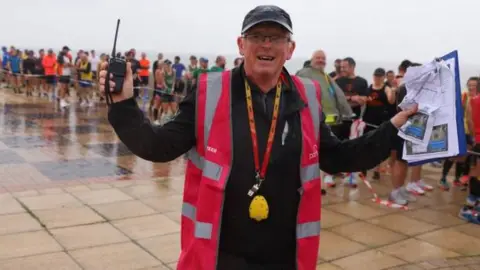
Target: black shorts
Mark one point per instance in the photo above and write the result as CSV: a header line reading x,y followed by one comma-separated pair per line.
x,y
144,80
85,84
64,79
50,79
39,73
189,86
475,149
157,93
342,131
179,86
468,140
29,73
167,98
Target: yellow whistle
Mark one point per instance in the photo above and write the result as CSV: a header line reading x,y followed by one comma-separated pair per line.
x,y
258,208
330,119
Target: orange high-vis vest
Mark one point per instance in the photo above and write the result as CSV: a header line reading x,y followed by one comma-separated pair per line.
x,y
208,170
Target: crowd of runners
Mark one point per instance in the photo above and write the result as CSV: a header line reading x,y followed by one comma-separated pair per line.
x,y
346,98
51,75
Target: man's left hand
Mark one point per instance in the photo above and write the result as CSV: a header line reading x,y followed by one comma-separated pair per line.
x,y
401,118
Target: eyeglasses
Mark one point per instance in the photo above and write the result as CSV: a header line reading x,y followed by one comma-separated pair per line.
x,y
275,39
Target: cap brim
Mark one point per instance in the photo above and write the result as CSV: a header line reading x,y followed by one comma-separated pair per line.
x,y
281,23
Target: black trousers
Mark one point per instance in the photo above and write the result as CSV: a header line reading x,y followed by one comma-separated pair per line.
x,y
231,262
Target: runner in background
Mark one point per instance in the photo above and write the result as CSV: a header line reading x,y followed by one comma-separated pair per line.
x,y
77,75
155,66
400,194
14,65
29,70
416,186
220,63
337,73
471,209
334,103
191,69
379,98
202,69
94,60
103,59
193,64
462,165
390,80
86,78
169,106
130,57
160,87
157,62
64,69
391,111
40,72
356,92
180,71
49,63
144,73
4,71
238,61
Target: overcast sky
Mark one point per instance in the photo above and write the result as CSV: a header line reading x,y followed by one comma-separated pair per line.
x,y
368,30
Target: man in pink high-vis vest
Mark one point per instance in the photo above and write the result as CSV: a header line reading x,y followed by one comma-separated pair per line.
x,y
255,139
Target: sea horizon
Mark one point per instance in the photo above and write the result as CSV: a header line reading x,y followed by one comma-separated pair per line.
x,y
364,68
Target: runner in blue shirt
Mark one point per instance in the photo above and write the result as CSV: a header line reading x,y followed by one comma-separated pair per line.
x,y
179,80
4,70
15,67
5,57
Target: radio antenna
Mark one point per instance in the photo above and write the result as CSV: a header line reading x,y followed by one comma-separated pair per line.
x,y
115,41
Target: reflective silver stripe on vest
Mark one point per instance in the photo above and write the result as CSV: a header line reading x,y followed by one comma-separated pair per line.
x,y
212,170
309,173
209,169
308,229
202,229
214,89
195,158
313,104
189,211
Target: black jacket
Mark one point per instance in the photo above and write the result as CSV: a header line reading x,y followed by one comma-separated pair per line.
x,y
270,242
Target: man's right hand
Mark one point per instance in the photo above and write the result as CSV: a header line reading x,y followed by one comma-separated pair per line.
x,y
127,89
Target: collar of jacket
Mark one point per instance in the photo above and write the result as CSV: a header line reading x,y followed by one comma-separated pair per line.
x,y
293,100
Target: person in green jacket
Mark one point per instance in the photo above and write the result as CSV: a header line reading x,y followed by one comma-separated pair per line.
x,y
334,104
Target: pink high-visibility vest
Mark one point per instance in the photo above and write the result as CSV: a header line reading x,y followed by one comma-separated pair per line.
x,y
208,169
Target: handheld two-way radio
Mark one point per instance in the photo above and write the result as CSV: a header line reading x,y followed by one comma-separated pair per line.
x,y
117,67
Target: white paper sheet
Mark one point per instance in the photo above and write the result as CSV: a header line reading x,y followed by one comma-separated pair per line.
x,y
432,86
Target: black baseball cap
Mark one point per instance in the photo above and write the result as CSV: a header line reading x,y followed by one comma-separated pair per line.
x,y
267,13
379,72
65,48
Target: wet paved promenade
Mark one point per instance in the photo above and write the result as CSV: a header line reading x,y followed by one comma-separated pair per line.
x,y
73,197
